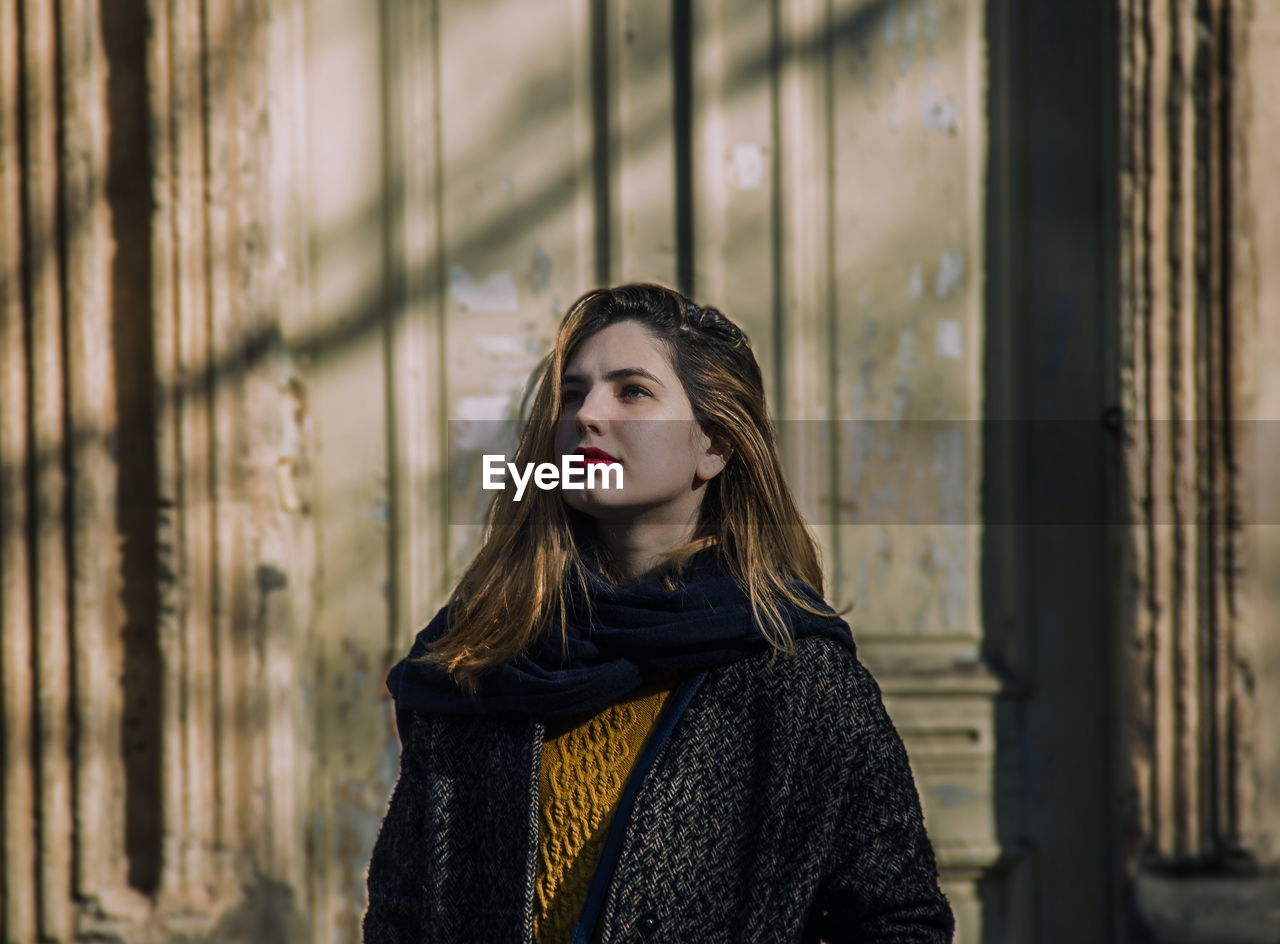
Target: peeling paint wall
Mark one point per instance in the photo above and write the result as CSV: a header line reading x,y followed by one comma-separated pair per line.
x,y
1258,249
840,224
270,272
908,133
156,515
356,230
910,115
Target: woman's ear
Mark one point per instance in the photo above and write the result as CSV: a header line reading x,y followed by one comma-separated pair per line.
x,y
715,457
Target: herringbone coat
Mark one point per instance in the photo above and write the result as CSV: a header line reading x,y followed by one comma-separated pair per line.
x,y
780,809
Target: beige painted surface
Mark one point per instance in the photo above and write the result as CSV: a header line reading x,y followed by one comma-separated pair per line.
x,y
908,127
358,228
788,235
1258,253
366,224
909,135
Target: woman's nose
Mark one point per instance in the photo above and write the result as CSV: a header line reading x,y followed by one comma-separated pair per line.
x,y
593,412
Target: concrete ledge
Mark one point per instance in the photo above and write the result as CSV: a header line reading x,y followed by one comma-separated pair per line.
x,y
1208,910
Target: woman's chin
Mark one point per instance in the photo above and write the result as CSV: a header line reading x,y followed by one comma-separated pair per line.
x,y
602,505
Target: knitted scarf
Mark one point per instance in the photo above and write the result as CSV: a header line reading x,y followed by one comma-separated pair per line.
x,y
637,631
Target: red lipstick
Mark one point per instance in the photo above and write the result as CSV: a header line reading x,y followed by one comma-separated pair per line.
x,y
592,454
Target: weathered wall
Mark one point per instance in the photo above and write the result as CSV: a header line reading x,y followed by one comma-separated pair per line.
x,y
1257,235
1256,253
900,356
816,171
262,253
155,550
1199,292
259,258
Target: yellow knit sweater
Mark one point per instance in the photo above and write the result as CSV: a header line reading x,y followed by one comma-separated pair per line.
x,y
585,761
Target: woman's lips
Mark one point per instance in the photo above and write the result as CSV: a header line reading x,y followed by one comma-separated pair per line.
x,y
591,454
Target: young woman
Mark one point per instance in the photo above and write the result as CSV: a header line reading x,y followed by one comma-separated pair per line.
x,y
636,718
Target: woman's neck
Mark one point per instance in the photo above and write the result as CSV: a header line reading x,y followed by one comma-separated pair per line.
x,y
641,552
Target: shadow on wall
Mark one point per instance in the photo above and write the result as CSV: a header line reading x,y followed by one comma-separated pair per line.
x,y
268,912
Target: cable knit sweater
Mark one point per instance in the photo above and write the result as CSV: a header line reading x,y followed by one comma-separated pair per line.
x,y
779,809
585,761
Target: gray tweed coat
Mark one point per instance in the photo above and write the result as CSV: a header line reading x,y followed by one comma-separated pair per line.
x,y
778,808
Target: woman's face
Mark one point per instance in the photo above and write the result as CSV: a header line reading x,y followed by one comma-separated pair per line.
x,y
621,395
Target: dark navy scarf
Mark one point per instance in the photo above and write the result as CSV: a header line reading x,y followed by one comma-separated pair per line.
x,y
638,631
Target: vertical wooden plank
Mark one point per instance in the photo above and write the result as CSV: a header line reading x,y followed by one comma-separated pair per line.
x,y
267,408
584,112
514,197
1164,665
255,568
96,612
240,823
285,482
1134,363
344,356
180,335
197,450
1255,126
909,142
802,388
1222,537
735,163
642,133
902,362
417,369
18,920
18,854
1250,122
48,416
1181,433
164,297
714,94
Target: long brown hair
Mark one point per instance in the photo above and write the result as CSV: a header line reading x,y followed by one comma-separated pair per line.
x,y
531,551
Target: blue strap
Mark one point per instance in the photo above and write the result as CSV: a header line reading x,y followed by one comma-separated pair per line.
x,y
613,841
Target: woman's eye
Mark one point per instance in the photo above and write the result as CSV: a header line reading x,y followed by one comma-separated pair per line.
x,y
629,392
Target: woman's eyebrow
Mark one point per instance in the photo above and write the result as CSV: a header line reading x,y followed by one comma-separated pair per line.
x,y
614,375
